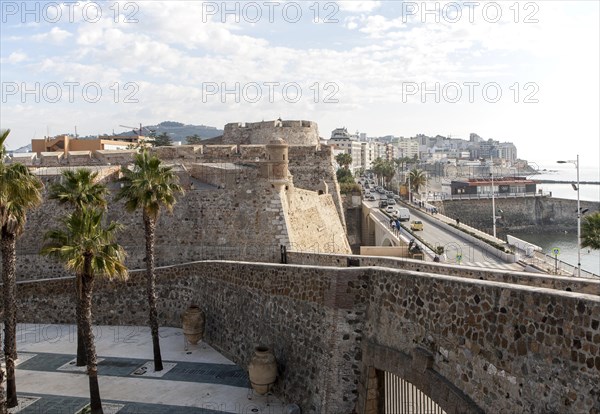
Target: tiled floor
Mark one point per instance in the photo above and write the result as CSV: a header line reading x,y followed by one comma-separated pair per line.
x,y
196,380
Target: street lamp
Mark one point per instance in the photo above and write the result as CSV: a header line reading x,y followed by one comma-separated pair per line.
x,y
576,162
493,199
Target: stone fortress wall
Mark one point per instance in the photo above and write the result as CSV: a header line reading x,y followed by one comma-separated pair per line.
x,y
295,133
232,208
471,345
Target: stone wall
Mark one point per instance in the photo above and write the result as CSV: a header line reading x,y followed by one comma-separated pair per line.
x,y
520,212
567,284
472,345
293,132
313,222
205,224
307,317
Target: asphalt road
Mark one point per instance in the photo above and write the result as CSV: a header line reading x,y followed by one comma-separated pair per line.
x,y
457,250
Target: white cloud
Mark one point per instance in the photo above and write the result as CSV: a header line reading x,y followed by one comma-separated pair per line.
x,y
16,57
356,6
55,35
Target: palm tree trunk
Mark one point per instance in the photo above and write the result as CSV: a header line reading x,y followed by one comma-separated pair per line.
x,y
81,353
87,281
10,313
150,227
2,392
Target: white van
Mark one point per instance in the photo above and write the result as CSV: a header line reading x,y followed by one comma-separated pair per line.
x,y
403,214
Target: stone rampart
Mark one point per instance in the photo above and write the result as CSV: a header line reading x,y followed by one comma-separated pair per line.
x,y
517,212
293,132
471,345
226,223
313,222
567,284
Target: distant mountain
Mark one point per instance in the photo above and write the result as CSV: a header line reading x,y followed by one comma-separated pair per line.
x,y
26,148
178,131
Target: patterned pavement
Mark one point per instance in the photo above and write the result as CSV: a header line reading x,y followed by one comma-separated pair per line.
x,y
194,380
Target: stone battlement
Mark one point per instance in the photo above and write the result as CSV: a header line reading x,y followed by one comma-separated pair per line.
x,y
293,132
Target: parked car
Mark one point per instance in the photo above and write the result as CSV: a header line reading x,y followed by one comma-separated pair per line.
x,y
416,225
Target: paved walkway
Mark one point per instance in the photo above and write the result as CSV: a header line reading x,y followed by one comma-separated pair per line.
x,y
196,380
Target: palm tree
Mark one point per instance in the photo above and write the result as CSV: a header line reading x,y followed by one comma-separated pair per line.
x,y
590,231
79,188
88,249
148,186
344,160
20,191
417,179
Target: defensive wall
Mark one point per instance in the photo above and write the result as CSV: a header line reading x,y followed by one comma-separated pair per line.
x,y
517,212
471,345
293,132
310,166
229,211
567,284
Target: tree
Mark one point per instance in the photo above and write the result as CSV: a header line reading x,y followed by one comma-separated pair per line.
x,y
344,176
590,231
417,179
344,160
79,188
193,140
149,186
89,250
20,191
385,169
162,140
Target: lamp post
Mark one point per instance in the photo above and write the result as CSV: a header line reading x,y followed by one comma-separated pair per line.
x,y
493,199
576,162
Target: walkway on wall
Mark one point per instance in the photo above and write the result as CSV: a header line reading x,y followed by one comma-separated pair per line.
x,y
195,380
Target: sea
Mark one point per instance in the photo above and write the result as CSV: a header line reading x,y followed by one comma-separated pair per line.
x,y
566,242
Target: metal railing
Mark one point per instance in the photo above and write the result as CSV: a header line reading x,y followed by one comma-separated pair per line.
x,y
402,397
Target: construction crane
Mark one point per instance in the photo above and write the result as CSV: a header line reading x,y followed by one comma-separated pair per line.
x,y
139,133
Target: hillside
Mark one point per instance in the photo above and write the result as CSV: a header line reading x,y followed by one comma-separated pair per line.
x,y
178,131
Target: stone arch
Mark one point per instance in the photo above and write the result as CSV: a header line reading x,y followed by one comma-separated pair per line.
x,y
416,368
387,242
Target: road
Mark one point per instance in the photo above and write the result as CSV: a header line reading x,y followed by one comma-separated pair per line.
x,y
457,250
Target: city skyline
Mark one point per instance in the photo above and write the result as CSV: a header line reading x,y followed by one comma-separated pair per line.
x,y
522,72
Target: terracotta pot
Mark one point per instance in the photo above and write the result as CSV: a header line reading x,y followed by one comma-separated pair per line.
x,y
262,369
193,324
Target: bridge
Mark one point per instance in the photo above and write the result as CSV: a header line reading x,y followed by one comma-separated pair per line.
x,y
459,247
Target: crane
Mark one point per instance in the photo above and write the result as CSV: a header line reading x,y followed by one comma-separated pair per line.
x,y
139,133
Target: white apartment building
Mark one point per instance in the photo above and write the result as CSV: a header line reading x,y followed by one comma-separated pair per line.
x,y
408,147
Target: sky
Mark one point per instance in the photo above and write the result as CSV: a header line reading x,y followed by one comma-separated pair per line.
x,y
524,72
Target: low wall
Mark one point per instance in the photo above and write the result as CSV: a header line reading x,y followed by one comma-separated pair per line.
x,y
568,284
483,345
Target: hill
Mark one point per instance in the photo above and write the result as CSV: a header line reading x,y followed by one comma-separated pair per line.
x,y
178,131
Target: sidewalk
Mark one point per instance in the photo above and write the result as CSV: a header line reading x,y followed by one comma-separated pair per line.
x,y
199,380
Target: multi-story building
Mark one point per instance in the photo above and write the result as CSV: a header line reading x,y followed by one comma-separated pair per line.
x,y
408,147
342,141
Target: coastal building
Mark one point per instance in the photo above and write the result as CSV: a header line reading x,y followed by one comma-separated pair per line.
x,y
501,185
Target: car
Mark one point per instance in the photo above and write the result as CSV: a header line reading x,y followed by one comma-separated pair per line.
x,y
391,201
416,225
390,209
403,214
371,197
381,190
383,203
